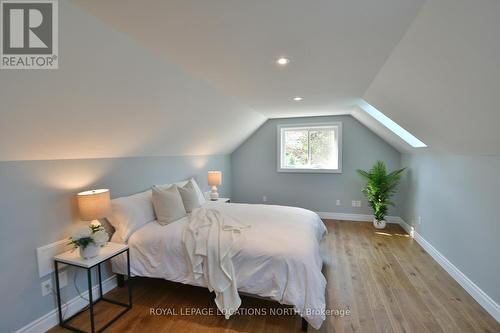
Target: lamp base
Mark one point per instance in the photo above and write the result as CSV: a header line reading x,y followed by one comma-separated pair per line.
x,y
214,195
95,223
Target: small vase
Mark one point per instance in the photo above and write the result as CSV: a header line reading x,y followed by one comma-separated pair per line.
x,y
379,224
90,251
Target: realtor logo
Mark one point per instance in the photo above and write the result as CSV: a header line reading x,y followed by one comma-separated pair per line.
x,y
29,34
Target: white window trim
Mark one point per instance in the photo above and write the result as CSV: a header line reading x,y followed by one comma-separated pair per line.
x,y
280,146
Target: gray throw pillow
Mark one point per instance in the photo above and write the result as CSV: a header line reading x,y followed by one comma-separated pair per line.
x,y
168,205
189,196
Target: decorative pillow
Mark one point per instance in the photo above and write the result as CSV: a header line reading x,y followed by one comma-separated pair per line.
x,y
130,213
189,196
199,193
167,203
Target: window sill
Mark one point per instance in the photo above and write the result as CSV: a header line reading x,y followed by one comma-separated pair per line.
x,y
309,170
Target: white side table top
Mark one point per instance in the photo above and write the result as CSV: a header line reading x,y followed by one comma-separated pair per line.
x,y
221,200
73,257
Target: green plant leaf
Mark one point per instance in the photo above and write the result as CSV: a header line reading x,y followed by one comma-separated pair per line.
x,y
380,187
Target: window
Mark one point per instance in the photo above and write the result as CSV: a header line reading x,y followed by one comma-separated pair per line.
x,y
310,148
391,125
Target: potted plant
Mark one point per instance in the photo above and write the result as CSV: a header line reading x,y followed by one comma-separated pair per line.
x,y
89,240
380,187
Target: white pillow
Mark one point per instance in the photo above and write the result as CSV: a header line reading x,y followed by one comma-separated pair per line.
x,y
189,196
130,213
168,204
199,193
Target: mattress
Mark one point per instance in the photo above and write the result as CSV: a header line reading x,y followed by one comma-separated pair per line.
x,y
278,257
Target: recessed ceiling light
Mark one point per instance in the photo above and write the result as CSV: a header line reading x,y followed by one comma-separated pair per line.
x,y
282,61
297,98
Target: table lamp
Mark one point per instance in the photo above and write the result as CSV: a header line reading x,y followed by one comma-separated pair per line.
x,y
94,205
214,180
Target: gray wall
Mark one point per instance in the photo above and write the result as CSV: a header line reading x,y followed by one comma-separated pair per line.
x,y
254,169
457,198
37,208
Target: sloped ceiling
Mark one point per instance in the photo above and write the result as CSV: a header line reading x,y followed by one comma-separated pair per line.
x,y
336,47
187,77
442,82
111,97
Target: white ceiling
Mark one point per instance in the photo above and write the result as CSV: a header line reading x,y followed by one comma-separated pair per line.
x,y
442,82
336,47
111,97
185,77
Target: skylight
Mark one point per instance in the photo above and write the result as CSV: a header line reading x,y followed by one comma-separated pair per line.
x,y
391,125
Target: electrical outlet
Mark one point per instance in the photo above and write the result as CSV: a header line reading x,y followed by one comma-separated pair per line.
x,y
63,279
419,220
264,198
337,202
47,287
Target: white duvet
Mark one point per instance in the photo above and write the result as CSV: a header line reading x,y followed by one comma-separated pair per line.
x,y
278,258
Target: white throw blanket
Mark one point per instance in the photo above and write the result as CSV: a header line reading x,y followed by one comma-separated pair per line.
x,y
209,239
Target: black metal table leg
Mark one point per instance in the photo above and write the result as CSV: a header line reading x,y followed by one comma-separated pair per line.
x,y
100,279
120,280
58,293
129,282
91,302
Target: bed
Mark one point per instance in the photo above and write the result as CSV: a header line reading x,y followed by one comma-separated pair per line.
x,y
278,257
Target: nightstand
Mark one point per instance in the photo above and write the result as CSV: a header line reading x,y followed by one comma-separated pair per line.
x,y
73,258
225,200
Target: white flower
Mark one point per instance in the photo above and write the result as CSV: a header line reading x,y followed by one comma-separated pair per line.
x,y
95,223
100,237
83,232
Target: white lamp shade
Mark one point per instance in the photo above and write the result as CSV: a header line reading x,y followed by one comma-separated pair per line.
x,y
214,178
93,205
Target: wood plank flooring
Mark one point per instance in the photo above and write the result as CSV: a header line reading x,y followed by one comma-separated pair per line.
x,y
383,280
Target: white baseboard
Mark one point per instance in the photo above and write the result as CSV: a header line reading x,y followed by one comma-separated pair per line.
x,y
74,305
354,217
479,295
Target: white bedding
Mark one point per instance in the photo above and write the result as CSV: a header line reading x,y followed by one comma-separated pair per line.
x,y
278,258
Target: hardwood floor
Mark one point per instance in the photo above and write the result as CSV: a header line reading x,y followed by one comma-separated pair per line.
x,y
392,285
385,280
